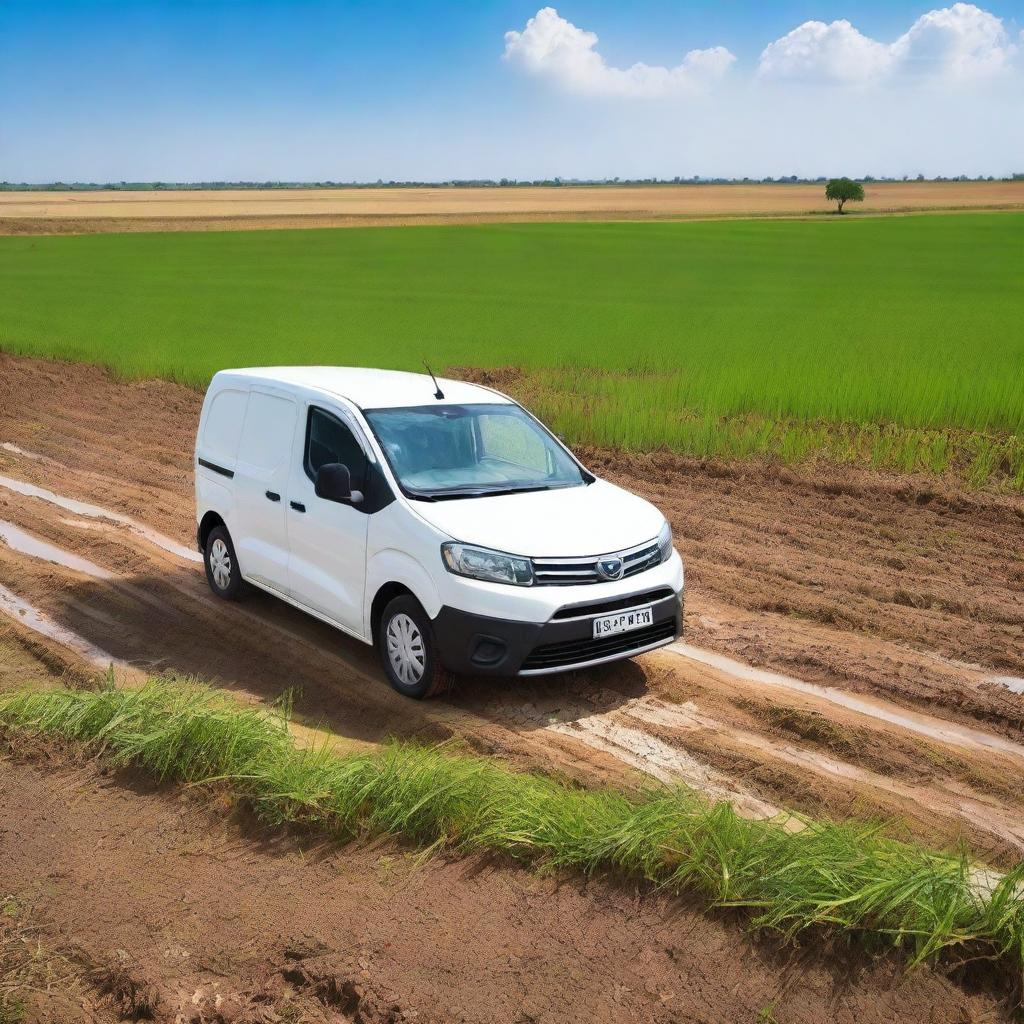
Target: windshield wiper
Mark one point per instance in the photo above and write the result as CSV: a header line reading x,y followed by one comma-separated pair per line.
x,y
478,492
522,490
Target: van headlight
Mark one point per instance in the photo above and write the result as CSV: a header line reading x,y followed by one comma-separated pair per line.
x,y
484,564
665,541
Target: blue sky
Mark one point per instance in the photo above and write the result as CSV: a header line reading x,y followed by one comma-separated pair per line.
x,y
308,90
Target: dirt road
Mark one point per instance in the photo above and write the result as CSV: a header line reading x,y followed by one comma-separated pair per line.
x,y
854,643
163,910
227,209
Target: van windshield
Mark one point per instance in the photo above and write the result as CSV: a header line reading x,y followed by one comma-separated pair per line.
x,y
468,451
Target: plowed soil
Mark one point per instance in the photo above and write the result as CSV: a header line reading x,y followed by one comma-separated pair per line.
x,y
227,209
854,646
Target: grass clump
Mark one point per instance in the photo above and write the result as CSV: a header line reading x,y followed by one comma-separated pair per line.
x,y
846,877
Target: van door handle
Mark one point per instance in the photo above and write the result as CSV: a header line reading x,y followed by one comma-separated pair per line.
x,y
273,496
298,506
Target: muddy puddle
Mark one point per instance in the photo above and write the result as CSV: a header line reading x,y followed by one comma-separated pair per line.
x,y
1015,684
21,540
83,508
661,761
38,622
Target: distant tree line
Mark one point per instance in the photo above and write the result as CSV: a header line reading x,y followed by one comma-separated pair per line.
x,y
157,186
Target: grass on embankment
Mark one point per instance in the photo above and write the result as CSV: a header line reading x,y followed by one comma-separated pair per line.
x,y
842,876
730,339
599,410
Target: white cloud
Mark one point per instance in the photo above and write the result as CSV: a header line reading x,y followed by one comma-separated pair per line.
x,y
553,47
836,52
961,41
954,43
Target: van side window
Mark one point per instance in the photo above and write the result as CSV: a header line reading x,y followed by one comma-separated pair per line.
x,y
330,440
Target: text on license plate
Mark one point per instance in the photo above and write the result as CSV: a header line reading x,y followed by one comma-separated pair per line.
x,y
623,622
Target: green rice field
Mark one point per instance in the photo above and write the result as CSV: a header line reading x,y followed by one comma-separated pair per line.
x,y
894,342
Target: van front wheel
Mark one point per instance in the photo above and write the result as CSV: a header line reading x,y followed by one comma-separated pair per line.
x,y
408,651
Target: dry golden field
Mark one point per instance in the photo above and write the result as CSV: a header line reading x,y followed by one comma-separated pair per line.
x,y
81,212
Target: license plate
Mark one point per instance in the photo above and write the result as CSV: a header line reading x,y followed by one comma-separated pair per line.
x,y
623,622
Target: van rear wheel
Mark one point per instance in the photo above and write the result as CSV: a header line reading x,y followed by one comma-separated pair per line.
x,y
222,572
408,651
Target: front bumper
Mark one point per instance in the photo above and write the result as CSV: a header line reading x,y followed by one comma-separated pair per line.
x,y
483,645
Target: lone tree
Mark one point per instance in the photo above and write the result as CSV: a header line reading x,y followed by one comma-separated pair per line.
x,y
839,190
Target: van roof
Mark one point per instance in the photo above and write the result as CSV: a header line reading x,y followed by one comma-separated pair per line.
x,y
370,388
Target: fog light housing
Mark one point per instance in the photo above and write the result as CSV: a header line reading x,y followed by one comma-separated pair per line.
x,y
487,651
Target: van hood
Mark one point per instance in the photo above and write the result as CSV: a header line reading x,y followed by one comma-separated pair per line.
x,y
594,519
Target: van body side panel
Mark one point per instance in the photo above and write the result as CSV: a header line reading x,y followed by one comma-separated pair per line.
x,y
394,566
214,495
260,532
393,538
217,438
327,560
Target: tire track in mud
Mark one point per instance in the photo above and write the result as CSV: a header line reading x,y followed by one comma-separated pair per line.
x,y
925,725
983,812
893,671
620,734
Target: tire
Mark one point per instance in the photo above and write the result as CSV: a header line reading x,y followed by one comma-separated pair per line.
x,y
408,650
222,572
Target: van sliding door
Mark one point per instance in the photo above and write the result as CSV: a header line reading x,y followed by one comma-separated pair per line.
x,y
261,485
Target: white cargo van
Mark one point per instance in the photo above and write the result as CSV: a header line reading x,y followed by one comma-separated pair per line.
x,y
439,521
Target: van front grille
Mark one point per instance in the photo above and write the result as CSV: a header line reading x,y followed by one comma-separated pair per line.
x,y
578,652
568,572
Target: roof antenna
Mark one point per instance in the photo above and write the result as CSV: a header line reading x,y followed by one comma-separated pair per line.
x,y
438,394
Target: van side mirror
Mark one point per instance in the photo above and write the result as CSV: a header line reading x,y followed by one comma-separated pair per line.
x,y
334,483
